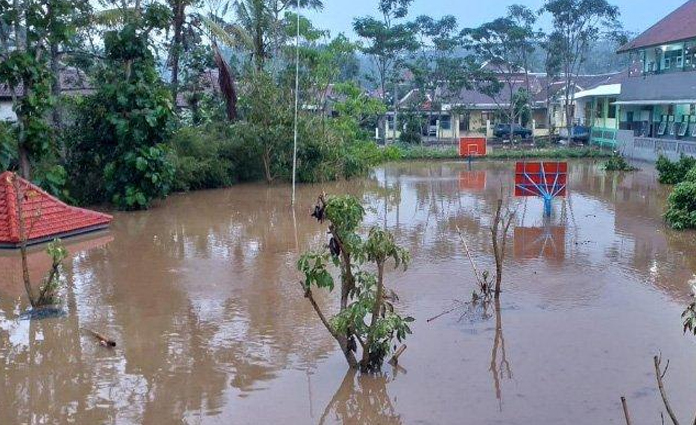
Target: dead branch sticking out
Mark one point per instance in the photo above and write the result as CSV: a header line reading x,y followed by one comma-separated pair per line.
x,y
471,260
625,410
395,358
499,238
659,374
226,81
104,341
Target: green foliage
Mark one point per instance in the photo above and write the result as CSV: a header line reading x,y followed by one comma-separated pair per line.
x,y
413,130
681,206
618,163
313,266
407,153
211,156
8,146
346,214
119,153
139,176
367,314
689,315
48,293
673,172
53,178
33,134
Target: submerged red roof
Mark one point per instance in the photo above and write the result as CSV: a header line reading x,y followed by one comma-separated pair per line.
x,y
45,217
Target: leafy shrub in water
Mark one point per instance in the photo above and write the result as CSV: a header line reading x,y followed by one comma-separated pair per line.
x,y
673,172
201,160
138,177
618,163
681,206
366,318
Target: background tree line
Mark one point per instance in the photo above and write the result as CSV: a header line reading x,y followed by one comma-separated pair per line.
x,y
188,94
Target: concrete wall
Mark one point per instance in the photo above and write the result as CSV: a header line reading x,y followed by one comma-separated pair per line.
x,y
6,112
649,149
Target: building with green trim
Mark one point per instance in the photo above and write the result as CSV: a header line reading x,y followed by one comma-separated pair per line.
x,y
655,101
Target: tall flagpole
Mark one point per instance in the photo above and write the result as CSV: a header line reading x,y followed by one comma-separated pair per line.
x,y
297,103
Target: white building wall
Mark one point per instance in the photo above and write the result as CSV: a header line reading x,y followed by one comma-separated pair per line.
x,y
6,112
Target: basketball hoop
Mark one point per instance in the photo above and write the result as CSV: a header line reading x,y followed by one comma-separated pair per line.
x,y
546,180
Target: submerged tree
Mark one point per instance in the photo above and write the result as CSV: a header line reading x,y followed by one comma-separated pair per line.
x,y
366,316
48,291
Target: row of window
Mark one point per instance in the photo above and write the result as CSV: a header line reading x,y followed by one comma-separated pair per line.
x,y
669,58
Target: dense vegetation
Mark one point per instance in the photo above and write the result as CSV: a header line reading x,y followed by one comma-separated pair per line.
x,y
191,94
681,204
618,163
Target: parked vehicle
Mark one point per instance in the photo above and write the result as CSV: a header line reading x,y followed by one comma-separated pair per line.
x,y
503,131
579,133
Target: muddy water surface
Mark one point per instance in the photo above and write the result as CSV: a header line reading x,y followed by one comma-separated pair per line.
x,y
202,296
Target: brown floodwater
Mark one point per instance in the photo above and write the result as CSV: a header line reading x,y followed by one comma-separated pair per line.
x,y
202,296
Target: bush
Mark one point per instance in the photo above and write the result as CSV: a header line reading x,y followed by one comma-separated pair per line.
x,y
197,159
681,210
119,153
618,163
673,172
413,129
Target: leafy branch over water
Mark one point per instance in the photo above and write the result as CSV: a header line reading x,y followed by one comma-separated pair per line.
x,y
367,316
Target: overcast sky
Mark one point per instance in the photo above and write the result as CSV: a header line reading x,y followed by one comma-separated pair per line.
x,y
337,16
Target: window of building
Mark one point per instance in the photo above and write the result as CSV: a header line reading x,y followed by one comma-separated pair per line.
x,y
611,114
445,122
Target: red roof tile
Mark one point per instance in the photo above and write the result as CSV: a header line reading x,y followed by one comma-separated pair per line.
x,y
45,217
679,25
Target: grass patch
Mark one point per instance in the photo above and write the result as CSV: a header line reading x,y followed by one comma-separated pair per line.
x,y
410,153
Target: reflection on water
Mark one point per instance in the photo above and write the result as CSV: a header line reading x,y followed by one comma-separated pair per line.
x,y
201,295
547,242
500,365
361,400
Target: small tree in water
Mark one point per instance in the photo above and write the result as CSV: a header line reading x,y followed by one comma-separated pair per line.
x,y
48,292
366,316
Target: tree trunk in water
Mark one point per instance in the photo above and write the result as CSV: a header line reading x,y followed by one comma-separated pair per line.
x,y
376,307
18,200
496,249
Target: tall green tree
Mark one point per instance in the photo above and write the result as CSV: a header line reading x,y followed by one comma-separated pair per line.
x,y
120,152
184,37
440,73
576,23
386,40
506,45
32,34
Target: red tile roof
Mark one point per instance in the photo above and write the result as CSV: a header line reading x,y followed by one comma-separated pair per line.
x,y
45,216
679,25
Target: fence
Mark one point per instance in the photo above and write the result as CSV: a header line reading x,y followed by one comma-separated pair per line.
x,y
649,148
603,137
